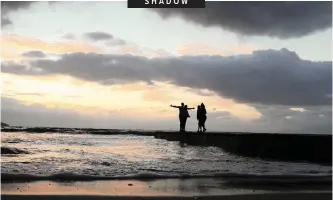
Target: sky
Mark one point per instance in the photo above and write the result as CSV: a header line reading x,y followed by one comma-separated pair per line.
x,y
257,66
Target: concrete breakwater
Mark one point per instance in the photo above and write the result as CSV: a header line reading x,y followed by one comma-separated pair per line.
x,y
284,147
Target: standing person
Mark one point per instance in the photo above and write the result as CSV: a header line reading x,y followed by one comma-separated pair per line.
x,y
203,116
186,115
198,118
181,114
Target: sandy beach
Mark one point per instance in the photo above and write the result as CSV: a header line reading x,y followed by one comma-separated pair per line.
x,y
155,189
285,196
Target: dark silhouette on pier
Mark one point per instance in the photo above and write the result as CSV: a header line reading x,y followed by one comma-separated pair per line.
x,y
201,117
198,118
183,115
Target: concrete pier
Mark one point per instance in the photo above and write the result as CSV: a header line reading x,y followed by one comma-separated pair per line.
x,y
283,147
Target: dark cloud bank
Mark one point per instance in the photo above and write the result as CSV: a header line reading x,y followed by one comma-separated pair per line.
x,y
272,81
98,36
276,19
34,54
110,40
272,77
11,6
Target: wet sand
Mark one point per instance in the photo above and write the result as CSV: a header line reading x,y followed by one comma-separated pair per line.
x,y
294,196
156,189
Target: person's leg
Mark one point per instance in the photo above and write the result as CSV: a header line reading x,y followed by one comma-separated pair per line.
x,y
183,123
180,124
200,124
185,119
204,123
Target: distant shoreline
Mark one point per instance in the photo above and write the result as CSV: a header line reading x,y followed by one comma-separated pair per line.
x,y
103,131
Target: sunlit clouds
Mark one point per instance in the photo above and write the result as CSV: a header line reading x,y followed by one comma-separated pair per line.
x,y
127,99
13,46
298,109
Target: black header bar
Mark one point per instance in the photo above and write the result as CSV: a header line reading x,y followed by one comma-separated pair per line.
x,y
166,3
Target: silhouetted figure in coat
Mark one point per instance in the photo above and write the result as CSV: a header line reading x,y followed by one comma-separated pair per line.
x,y
186,115
198,118
183,115
202,116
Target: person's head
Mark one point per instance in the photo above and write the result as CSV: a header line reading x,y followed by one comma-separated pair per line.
x,y
199,106
185,106
182,104
202,105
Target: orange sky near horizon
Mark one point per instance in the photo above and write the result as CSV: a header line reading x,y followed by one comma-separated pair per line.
x,y
93,99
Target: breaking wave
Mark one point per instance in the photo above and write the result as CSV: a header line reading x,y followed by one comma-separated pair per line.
x,y
12,150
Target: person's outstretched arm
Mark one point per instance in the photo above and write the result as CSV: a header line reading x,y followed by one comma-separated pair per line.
x,y
190,108
175,106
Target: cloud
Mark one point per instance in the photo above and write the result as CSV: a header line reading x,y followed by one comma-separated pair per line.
x,y
10,6
69,36
57,88
298,109
5,22
274,120
133,49
277,119
275,19
271,77
204,49
34,54
202,92
282,118
17,113
13,46
98,36
29,94
130,49
116,42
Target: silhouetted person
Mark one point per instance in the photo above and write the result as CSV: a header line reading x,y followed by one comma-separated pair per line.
x,y
198,118
186,115
183,115
203,117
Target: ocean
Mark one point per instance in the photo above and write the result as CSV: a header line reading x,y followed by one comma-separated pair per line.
x,y
77,155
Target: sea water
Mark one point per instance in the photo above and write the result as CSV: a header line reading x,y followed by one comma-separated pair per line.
x,y
133,156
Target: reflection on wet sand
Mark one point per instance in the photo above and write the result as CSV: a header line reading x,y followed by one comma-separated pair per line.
x,y
161,187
